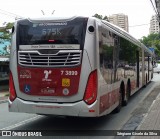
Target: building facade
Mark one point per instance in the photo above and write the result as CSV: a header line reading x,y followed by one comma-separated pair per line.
x,y
154,25
120,20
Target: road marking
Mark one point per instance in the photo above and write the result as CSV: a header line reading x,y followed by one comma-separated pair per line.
x,y
22,123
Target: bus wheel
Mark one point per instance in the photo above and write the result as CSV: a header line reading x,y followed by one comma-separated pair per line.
x,y
118,108
146,79
126,99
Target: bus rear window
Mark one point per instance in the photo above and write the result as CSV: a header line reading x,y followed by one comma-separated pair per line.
x,y
70,32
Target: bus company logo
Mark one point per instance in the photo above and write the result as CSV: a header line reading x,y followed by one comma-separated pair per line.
x,y
53,46
46,75
43,24
25,74
54,24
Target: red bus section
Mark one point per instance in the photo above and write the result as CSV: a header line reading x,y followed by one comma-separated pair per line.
x,y
49,81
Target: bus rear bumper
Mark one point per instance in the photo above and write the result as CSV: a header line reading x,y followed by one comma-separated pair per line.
x,y
79,109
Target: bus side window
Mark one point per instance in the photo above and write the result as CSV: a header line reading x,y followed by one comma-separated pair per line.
x,y
107,51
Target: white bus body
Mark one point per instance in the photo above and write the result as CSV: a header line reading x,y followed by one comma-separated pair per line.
x,y
76,66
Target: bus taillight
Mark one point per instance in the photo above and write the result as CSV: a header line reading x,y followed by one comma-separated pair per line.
x,y
91,88
12,91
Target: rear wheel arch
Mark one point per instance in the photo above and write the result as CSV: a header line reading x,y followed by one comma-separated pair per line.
x,y
121,94
122,90
146,78
127,93
129,86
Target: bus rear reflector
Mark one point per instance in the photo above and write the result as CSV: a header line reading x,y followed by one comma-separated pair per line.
x,y
91,88
91,110
12,91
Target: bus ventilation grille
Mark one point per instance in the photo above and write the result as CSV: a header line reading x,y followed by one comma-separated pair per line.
x,y
60,59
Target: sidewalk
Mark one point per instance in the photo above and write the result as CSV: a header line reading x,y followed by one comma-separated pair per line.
x,y
151,121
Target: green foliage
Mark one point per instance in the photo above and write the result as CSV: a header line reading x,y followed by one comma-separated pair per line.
x,y
5,36
152,40
107,51
6,33
101,17
128,50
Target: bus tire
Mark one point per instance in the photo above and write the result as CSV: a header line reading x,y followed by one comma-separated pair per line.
x,y
128,93
146,79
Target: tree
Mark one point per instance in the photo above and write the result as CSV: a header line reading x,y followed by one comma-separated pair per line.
x,y
5,36
5,32
101,17
152,40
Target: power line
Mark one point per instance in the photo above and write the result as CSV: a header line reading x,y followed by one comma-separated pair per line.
x,y
154,7
140,25
9,13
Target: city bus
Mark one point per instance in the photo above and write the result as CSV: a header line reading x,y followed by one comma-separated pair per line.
x,y
77,66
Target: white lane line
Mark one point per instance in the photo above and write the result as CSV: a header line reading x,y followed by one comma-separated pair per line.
x,y
22,123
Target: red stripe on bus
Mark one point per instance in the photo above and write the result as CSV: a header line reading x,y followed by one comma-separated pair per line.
x,y
109,99
133,85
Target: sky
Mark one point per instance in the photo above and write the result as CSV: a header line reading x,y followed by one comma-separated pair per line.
x,y
139,11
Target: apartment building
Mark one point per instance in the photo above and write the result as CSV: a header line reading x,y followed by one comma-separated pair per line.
x,y
154,25
120,20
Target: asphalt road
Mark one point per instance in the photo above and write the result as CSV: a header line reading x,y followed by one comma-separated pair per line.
x,y
128,118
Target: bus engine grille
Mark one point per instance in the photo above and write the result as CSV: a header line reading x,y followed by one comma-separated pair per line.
x,y
60,59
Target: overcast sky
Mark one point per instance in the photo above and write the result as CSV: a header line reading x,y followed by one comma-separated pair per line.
x,y
139,11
